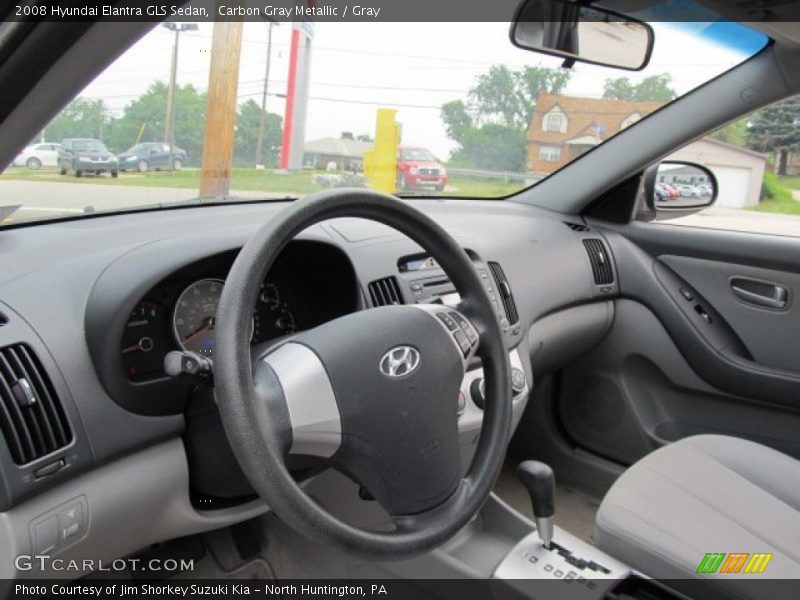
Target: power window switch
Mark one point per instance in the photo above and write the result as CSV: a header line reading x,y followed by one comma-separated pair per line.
x,y
70,531
70,522
686,293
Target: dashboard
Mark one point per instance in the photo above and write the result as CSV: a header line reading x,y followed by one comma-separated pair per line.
x,y
98,303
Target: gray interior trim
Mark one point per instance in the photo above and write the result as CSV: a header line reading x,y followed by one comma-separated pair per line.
x,y
313,412
142,499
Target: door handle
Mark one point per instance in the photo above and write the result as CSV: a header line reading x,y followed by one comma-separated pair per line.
x,y
760,293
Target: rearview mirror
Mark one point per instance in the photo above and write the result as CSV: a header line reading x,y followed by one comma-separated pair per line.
x,y
675,189
582,33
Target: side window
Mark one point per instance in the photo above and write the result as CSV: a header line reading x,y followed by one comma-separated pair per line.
x,y
756,162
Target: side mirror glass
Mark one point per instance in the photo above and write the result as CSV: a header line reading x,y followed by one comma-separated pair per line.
x,y
680,188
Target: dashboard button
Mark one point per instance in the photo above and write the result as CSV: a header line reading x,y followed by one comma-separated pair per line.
x,y
448,321
462,402
46,470
462,340
466,327
517,380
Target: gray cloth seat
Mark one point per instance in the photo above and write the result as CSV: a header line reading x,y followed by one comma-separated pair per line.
x,y
707,493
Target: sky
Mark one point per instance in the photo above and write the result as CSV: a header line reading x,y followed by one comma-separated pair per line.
x,y
412,67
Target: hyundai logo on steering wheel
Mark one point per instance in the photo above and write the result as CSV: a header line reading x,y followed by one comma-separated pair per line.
x,y
399,361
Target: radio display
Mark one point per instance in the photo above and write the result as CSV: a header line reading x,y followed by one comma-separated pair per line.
x,y
419,263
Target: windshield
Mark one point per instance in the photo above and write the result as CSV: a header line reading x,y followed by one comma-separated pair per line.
x,y
418,154
88,146
314,106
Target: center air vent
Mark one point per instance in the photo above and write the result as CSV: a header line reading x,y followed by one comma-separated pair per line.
x,y
601,261
385,292
505,293
31,416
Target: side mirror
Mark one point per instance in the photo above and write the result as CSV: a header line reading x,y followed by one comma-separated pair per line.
x,y
582,33
675,189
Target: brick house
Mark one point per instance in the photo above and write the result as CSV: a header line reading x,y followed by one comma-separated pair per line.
x,y
564,127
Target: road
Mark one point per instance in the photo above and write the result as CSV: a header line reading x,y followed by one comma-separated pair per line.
x,y
49,199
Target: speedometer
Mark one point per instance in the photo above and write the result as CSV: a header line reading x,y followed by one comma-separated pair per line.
x,y
195,316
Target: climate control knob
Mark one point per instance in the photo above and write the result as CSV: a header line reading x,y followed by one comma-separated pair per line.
x,y
518,382
477,390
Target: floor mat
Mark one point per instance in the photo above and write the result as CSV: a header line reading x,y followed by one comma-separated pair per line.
x,y
575,510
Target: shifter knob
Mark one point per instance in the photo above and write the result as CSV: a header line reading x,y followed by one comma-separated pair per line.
x,y
540,482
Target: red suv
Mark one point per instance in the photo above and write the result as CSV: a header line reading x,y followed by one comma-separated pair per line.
x,y
417,167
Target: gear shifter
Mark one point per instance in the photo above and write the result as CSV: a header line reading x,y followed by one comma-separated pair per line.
x,y
540,482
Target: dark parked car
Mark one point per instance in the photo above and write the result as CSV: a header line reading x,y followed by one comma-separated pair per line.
x,y
86,155
151,155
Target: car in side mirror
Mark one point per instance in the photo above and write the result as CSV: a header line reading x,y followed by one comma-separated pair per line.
x,y
582,33
674,189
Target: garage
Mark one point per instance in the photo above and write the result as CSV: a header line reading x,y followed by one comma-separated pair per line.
x,y
739,171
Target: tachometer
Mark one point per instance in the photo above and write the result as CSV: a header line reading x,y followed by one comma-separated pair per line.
x,y
195,316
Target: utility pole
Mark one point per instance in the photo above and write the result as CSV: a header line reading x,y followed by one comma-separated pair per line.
x,y
262,118
223,81
169,122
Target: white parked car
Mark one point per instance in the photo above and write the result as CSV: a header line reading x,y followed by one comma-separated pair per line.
x,y
38,155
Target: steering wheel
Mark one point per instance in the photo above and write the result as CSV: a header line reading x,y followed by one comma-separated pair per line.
x,y
374,393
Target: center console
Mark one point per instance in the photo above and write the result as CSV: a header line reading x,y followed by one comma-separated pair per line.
x,y
571,569
552,563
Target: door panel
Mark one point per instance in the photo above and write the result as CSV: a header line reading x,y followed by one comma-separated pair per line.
x,y
705,340
771,334
635,392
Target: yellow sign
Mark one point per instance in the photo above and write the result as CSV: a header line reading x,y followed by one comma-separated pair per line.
x,y
380,162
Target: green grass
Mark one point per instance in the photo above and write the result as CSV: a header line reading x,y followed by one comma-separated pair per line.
x,y
793,183
482,188
777,195
241,179
245,179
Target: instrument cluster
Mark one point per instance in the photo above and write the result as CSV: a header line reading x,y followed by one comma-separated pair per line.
x,y
180,313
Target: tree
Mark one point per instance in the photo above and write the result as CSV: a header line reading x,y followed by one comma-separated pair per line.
x,y
146,115
80,118
655,88
509,97
490,128
365,137
733,133
247,121
776,129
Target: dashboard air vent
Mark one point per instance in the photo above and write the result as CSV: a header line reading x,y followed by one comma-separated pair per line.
x,y
31,416
577,226
385,292
601,262
505,293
